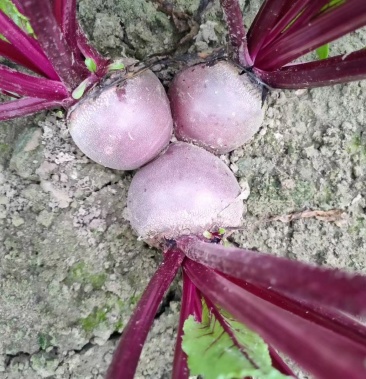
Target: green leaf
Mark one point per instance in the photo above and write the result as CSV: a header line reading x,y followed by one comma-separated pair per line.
x,y
323,51
78,92
213,354
116,66
91,64
207,234
12,12
332,3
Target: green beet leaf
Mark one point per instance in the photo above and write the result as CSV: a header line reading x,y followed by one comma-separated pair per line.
x,y
213,354
7,7
116,66
79,91
333,3
91,64
323,51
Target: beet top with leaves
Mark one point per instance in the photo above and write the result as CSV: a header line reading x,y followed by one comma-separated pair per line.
x,y
122,120
217,95
135,108
285,30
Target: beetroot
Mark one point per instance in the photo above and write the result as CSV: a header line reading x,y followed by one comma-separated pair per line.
x,y
184,191
123,126
215,107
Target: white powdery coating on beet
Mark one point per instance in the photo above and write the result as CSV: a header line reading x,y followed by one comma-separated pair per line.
x,y
187,190
215,107
124,128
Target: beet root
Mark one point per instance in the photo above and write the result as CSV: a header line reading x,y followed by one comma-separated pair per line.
x,y
123,126
185,191
215,107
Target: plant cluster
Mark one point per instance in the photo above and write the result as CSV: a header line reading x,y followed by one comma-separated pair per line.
x,y
186,200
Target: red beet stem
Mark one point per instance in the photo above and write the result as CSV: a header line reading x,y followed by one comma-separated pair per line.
x,y
329,318
57,6
24,47
323,28
90,52
267,17
68,20
237,35
189,298
335,70
279,364
25,107
307,13
329,287
320,351
289,17
27,85
9,52
65,13
128,352
70,70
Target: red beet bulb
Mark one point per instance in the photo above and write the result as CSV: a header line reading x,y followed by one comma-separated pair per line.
x,y
215,107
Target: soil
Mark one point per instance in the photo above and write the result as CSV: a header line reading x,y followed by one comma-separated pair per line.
x,y
71,268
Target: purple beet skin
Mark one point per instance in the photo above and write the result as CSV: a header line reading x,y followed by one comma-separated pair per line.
x,y
215,107
187,190
125,126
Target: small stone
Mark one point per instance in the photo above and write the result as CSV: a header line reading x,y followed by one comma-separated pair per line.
x,y
44,365
262,132
98,225
300,92
288,184
64,178
245,189
46,169
234,168
28,153
17,221
60,196
88,288
45,218
2,363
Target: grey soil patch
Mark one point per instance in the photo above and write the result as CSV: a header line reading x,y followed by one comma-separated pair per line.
x,y
71,269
